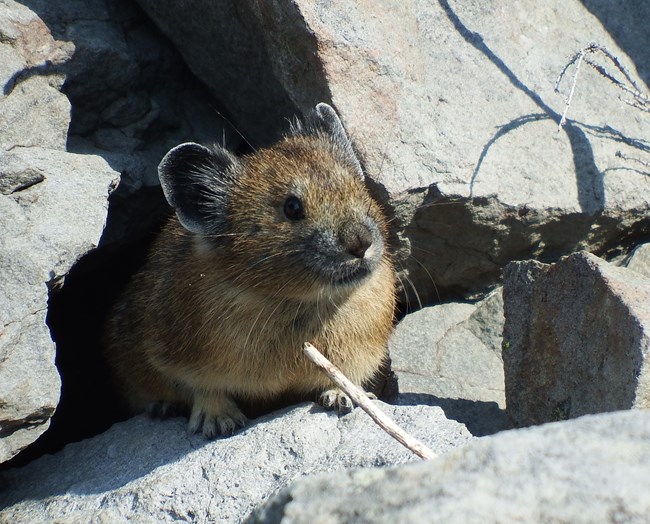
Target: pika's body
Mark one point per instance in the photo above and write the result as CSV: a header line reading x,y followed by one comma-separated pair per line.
x,y
268,251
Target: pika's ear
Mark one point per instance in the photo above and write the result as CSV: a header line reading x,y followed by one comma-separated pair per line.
x,y
324,118
196,181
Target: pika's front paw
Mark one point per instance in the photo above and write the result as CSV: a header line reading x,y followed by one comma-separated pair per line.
x,y
335,399
215,415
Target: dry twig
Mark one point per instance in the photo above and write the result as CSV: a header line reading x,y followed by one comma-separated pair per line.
x,y
622,155
628,85
360,398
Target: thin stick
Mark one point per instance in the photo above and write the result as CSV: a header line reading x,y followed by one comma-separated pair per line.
x,y
620,154
577,59
360,398
639,99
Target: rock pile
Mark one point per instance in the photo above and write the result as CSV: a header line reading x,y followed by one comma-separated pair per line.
x,y
52,210
452,109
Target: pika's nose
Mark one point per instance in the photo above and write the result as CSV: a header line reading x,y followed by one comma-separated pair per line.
x,y
356,241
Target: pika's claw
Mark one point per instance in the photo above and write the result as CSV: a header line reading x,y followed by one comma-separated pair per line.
x,y
163,409
215,415
335,399
196,421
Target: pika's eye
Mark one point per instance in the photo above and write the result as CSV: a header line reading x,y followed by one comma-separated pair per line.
x,y
293,208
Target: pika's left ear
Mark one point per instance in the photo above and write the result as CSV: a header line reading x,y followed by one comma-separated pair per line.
x,y
324,119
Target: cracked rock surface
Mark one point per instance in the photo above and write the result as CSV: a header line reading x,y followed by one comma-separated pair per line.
x,y
589,470
147,470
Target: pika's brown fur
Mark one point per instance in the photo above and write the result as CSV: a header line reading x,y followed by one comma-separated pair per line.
x,y
269,251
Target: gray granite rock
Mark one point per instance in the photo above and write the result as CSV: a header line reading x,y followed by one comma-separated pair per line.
x,y
576,339
450,355
594,469
639,260
131,97
34,111
52,211
145,470
222,44
44,229
455,117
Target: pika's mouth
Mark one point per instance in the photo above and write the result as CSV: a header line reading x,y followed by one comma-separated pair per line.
x,y
351,275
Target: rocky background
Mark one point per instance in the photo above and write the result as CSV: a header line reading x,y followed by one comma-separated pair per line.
x,y
524,275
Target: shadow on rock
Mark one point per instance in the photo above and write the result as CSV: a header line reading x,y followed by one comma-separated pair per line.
x,y
591,190
480,418
130,451
628,26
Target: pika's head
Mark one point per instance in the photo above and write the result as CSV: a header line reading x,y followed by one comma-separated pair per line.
x,y
295,219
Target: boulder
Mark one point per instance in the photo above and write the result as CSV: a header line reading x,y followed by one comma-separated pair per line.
x,y
453,111
639,260
151,471
576,339
594,469
132,99
52,211
223,46
450,355
34,111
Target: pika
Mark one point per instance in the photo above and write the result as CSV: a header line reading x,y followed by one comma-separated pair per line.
x,y
266,251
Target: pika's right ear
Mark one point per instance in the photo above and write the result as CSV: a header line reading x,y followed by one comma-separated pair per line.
x,y
196,181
